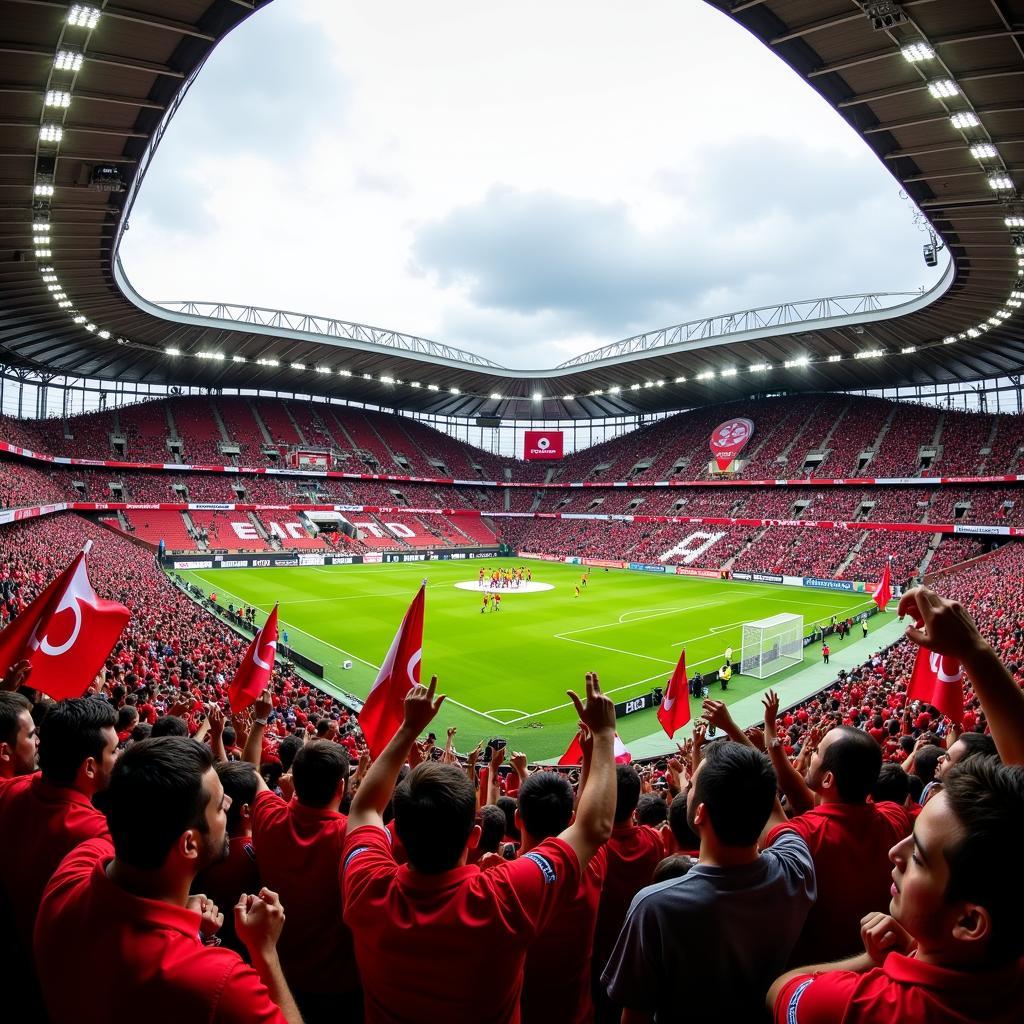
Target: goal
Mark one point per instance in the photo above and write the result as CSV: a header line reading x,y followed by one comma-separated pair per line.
x,y
772,645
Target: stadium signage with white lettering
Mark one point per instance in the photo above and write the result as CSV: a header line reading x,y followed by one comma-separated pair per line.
x,y
542,444
645,567
706,574
758,577
820,584
631,707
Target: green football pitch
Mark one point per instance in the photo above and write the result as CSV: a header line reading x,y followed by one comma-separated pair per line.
x,y
506,673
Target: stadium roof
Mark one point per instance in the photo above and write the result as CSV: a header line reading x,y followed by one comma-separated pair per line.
x,y
949,127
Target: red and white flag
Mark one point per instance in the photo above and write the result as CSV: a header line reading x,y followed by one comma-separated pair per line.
x,y
883,592
66,633
384,708
574,753
674,711
939,681
253,675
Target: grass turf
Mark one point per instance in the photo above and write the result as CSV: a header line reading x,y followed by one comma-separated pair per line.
x,y
506,672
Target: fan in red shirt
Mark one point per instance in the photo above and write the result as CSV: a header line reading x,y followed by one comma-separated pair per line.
x,y
226,880
438,939
849,839
129,899
951,947
300,844
19,737
556,978
633,852
45,815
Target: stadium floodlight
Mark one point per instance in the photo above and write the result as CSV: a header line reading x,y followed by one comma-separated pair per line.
x,y
596,391
983,150
67,60
914,53
798,361
759,367
64,303
729,371
949,340
1016,295
615,389
173,351
41,225
43,254
79,319
53,287
1003,314
964,119
943,88
42,189
835,357
972,332
344,373
495,397
537,396
771,645
634,387
648,383
40,239
659,383
869,353
57,98
90,328
104,335
323,369
1000,182
49,277
386,379
454,391
994,321
46,270
1019,250
238,359
680,380
298,366
705,375
909,350
568,398
83,16
1014,303
415,384
51,133
433,387
1014,222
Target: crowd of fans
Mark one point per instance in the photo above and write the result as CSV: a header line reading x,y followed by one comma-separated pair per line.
x,y
852,859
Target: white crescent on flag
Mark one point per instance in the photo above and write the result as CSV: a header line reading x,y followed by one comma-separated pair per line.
x,y
269,664
78,590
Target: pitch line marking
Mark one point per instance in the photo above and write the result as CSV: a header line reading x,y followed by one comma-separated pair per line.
x,y
614,650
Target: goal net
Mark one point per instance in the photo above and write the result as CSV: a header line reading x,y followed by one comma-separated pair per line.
x,y
771,645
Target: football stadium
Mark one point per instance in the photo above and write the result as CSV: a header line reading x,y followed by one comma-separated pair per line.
x,y
726,616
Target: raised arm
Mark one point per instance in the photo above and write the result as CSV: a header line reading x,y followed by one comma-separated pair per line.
x,y
946,627
791,782
595,814
262,708
369,802
717,714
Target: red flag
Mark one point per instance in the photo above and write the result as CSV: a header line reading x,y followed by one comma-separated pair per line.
x,y
674,711
384,708
939,681
66,651
253,675
574,753
883,592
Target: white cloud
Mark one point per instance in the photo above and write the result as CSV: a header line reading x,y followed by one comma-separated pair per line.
x,y
526,182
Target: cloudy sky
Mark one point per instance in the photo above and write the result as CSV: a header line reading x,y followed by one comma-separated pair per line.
x,y
527,181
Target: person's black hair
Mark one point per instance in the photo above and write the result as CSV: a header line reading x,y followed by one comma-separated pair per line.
x,y
317,771
926,760
977,743
916,788
11,707
239,781
492,828
892,783
169,725
987,799
737,786
679,824
271,772
545,804
627,792
287,749
854,759
141,732
507,806
127,716
651,809
435,810
676,865
156,793
907,744
229,736
71,732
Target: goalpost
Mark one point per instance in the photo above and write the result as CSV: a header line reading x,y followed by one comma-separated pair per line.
x,y
772,645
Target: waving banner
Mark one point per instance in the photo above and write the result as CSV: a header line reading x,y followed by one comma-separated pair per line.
x,y
728,439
